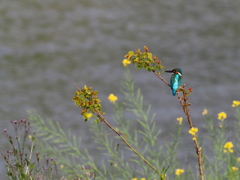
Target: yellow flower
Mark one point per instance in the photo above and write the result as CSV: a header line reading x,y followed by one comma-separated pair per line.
x,y
193,131
235,103
85,87
234,168
222,116
126,62
178,172
61,166
179,119
134,179
205,112
143,178
238,159
30,136
87,115
112,98
228,147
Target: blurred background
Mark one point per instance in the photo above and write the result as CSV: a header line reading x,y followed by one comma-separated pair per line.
x,y
45,45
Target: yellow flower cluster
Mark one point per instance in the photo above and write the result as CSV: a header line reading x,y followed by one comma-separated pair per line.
x,y
228,147
143,60
234,168
112,98
87,115
235,103
178,172
88,101
179,119
193,132
126,62
222,116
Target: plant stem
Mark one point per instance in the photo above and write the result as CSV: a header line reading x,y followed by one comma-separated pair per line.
x,y
184,103
125,141
160,77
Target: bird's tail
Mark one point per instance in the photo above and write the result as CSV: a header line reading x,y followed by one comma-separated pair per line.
x,y
174,91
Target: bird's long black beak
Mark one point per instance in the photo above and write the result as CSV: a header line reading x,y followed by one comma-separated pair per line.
x,y
168,71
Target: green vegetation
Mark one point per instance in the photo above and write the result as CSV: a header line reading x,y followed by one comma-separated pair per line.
x,y
129,153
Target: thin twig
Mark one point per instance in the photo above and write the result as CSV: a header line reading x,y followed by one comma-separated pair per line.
x,y
125,141
77,86
160,77
184,103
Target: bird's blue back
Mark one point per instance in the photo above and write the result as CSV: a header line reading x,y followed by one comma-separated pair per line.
x,y
176,80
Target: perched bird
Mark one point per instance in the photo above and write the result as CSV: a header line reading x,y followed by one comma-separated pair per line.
x,y
176,79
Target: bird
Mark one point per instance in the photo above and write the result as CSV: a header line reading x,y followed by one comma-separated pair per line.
x,y
176,79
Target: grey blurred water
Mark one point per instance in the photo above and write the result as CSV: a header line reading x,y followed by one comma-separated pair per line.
x,y
45,45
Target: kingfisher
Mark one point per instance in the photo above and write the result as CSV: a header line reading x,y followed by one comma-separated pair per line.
x,y
176,79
